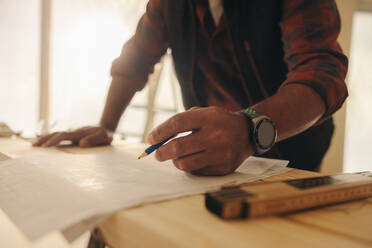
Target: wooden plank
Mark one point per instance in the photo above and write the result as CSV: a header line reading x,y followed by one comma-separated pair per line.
x,y
185,222
10,146
18,148
351,219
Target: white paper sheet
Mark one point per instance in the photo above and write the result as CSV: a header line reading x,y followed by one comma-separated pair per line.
x,y
57,192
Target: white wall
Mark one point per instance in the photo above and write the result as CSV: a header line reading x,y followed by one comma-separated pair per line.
x,y
333,161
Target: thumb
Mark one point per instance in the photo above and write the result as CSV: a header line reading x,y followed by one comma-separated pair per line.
x,y
95,139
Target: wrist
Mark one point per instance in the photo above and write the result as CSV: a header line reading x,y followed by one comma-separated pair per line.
x,y
109,133
247,132
262,130
109,130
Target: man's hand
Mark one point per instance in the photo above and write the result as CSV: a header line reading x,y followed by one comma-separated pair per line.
x,y
84,137
218,144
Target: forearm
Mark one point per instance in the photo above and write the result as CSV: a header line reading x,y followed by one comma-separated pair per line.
x,y
293,109
120,94
314,87
131,69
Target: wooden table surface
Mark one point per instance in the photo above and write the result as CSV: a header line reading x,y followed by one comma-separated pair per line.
x,y
185,222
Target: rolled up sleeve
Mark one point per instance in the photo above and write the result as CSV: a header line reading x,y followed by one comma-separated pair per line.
x,y
144,49
310,29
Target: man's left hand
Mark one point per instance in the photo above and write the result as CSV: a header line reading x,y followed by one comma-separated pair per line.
x,y
218,144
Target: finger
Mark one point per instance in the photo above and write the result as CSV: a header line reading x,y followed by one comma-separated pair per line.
x,y
95,139
197,161
192,162
43,139
179,147
179,123
58,137
54,140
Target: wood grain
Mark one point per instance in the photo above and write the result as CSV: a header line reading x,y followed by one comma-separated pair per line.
x,y
186,223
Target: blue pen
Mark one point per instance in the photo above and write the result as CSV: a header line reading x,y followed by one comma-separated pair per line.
x,y
153,148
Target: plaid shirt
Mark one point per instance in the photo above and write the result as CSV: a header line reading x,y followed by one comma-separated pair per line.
x,y
309,34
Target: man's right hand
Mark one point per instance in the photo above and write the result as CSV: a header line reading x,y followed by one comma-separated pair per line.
x,y
84,137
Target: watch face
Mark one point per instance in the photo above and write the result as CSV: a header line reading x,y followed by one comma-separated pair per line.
x,y
266,133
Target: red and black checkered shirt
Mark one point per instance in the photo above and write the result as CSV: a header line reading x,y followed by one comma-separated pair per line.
x,y
300,25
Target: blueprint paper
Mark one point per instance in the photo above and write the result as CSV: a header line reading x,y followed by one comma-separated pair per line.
x,y
44,193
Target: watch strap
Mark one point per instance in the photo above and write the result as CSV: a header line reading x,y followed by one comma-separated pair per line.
x,y
250,113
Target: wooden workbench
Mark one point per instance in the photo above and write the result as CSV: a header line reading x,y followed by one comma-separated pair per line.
x,y
185,222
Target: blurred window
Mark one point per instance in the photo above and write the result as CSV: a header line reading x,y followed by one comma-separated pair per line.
x,y
85,37
19,63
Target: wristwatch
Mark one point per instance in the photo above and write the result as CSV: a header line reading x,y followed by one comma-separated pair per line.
x,y
262,130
